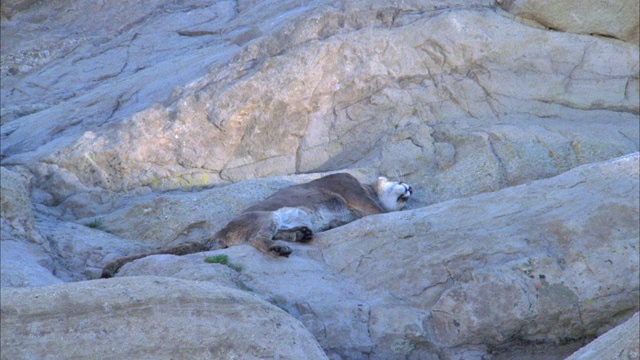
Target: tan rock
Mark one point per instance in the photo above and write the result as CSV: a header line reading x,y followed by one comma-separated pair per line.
x,y
619,343
148,318
525,262
17,216
618,19
323,89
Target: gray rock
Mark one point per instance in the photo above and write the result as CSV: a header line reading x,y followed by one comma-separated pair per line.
x,y
148,318
80,251
362,85
25,265
69,252
15,204
26,256
619,343
618,19
528,262
333,309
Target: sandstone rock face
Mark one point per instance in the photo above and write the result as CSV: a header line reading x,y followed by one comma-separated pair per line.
x,y
156,122
15,204
26,255
618,19
621,343
538,261
148,318
417,92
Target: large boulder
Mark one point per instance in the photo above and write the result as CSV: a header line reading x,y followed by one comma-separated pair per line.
x,y
620,343
614,18
335,310
15,208
148,318
543,262
26,255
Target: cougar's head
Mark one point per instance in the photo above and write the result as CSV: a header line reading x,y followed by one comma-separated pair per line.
x,y
393,195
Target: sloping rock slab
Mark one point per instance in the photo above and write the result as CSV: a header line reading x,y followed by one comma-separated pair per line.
x,y
549,261
620,343
613,18
148,318
332,308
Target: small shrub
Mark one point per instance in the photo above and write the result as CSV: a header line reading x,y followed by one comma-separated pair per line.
x,y
235,267
217,259
223,260
94,224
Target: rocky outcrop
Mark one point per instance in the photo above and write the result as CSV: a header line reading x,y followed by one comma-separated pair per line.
x,y
620,343
356,85
617,19
69,252
15,204
148,318
155,123
26,255
538,255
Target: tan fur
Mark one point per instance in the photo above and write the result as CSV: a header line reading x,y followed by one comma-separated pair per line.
x,y
294,214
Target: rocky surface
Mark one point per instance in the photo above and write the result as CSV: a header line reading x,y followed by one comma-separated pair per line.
x,y
620,343
154,123
538,255
148,318
616,19
345,85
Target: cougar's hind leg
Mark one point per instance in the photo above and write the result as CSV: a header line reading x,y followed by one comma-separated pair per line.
x,y
300,234
256,228
183,249
294,225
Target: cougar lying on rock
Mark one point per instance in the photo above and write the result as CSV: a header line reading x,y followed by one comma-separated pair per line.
x,y
294,214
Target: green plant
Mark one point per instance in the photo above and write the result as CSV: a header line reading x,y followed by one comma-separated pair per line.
x,y
217,259
235,267
94,224
223,260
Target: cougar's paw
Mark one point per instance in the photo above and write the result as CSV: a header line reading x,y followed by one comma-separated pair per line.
x,y
304,234
298,234
281,250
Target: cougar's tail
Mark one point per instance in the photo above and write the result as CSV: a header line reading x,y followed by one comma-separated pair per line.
x,y
183,249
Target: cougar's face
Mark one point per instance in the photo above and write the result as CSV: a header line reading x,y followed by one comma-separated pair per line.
x,y
393,194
